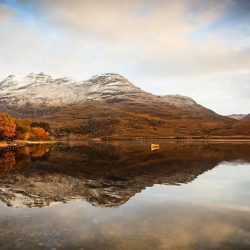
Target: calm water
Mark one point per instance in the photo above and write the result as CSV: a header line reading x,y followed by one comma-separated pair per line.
x,y
124,196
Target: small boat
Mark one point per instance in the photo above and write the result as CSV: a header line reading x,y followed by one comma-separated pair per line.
x,y
155,147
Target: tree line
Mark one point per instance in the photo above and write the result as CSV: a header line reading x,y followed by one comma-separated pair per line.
x,y
23,129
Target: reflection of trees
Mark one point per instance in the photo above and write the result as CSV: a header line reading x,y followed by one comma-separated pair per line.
x,y
23,151
12,159
39,151
36,152
7,161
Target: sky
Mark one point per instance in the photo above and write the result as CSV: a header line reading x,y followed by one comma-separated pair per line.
x,y
196,48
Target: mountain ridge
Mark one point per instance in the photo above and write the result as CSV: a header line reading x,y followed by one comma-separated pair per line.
x,y
32,89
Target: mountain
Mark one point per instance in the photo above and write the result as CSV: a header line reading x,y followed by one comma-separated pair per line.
x,y
237,116
108,102
41,89
41,92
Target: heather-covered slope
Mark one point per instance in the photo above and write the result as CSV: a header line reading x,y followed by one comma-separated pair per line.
x,y
97,119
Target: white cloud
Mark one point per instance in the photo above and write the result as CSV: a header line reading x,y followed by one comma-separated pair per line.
x,y
150,42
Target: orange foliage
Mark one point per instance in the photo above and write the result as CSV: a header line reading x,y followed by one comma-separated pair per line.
x,y
40,133
7,126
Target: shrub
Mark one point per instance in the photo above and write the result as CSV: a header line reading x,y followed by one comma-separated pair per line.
x,y
98,126
43,125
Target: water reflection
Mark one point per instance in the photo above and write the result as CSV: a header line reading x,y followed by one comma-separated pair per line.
x,y
125,196
104,174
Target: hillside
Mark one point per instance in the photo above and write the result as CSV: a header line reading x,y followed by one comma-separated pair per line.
x,y
247,118
104,120
106,105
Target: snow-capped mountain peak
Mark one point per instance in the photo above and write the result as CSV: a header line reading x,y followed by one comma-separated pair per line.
x,y
35,91
38,90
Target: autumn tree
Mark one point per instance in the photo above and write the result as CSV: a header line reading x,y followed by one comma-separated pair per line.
x,y
43,125
39,133
7,127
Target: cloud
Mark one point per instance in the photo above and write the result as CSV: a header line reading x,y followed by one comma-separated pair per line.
x,y
158,33
163,46
6,14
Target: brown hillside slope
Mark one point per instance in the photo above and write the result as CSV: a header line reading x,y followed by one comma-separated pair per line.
x,y
102,119
246,118
240,128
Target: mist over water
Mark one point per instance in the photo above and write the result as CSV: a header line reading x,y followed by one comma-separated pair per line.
x,y
122,195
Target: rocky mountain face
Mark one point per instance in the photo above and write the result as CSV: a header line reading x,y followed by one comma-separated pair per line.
x,y
41,89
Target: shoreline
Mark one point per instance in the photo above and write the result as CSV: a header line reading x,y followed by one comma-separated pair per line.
x,y
19,143
212,138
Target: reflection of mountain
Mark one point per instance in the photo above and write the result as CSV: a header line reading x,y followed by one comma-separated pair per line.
x,y
105,174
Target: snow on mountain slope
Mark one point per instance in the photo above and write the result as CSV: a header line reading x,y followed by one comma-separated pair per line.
x,y
40,94
43,89
179,101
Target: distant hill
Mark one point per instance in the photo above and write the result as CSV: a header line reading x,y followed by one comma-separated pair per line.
x,y
237,116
